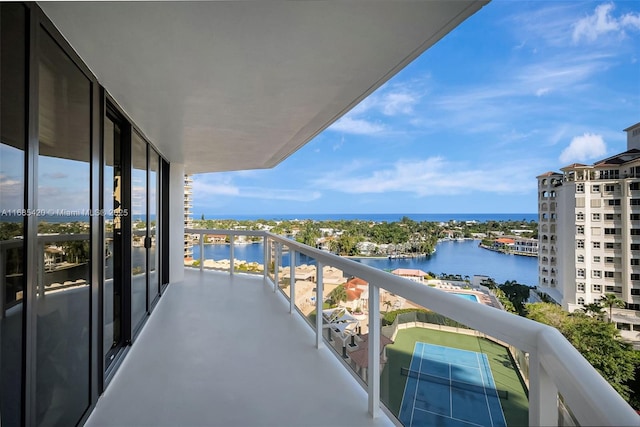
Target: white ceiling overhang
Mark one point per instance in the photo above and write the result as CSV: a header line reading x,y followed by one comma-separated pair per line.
x,y
242,85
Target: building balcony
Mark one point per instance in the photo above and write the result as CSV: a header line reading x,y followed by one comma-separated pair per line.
x,y
254,350
230,348
224,350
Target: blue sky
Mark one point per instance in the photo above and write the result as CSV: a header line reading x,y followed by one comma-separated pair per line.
x,y
518,89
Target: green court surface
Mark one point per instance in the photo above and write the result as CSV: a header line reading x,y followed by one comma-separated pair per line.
x,y
505,374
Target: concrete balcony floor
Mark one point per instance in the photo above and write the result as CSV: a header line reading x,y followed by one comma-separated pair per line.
x,y
223,350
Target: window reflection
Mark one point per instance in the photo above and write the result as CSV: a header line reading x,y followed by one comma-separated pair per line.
x,y
154,283
63,202
12,182
112,205
139,229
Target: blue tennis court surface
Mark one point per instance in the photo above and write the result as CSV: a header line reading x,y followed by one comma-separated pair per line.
x,y
449,387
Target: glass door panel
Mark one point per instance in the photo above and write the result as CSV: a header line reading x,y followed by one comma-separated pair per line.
x,y
139,222
154,209
63,297
113,240
13,137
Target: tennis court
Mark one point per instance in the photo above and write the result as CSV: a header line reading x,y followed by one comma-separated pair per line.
x,y
449,387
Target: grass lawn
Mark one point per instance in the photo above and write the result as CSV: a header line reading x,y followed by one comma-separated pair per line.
x,y
505,375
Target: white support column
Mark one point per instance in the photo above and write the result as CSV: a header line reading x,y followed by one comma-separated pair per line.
x,y
292,281
373,372
543,395
265,257
233,261
276,266
201,252
319,291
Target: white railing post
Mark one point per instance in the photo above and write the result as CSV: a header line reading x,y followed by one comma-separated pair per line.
x,y
543,394
233,261
265,258
201,251
276,266
319,297
373,371
292,281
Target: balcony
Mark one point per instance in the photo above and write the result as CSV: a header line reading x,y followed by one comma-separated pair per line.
x,y
237,348
225,350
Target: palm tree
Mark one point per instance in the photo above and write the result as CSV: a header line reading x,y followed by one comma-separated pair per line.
x,y
387,304
611,300
594,308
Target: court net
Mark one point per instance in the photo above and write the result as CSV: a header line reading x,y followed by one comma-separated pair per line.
x,y
460,385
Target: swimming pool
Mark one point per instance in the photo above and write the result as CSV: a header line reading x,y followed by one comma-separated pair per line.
x,y
470,297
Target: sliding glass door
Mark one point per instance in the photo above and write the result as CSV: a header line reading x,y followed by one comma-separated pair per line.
x,y
113,208
63,256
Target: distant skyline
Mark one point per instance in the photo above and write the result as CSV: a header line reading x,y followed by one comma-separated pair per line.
x,y
518,89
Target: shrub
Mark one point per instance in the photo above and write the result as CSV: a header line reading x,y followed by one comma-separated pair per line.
x,y
390,317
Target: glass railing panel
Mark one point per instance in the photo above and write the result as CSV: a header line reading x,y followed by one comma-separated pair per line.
x,y
248,254
345,318
284,259
270,258
439,371
305,281
215,253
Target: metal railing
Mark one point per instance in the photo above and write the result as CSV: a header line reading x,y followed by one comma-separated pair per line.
x,y
555,366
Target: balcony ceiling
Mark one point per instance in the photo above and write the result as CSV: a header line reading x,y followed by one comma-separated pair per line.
x,y
242,85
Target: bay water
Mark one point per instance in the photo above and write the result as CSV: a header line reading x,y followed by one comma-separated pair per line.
x,y
451,257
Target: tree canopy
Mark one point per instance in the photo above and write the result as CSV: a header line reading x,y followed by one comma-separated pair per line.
x,y
599,342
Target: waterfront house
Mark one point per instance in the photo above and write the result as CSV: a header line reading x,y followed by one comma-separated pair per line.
x,y
412,274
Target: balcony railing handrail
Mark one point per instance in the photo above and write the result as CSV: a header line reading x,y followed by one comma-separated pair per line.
x,y
555,364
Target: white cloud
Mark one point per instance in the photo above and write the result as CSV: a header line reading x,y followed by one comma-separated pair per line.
x,y
389,100
582,148
348,124
11,192
395,103
219,188
602,22
222,185
55,175
542,91
558,134
433,176
280,194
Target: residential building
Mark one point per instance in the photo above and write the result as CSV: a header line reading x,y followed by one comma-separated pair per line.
x,y
412,274
119,100
548,254
525,246
589,233
188,216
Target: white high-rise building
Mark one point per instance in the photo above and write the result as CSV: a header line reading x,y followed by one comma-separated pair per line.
x,y
188,215
589,235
